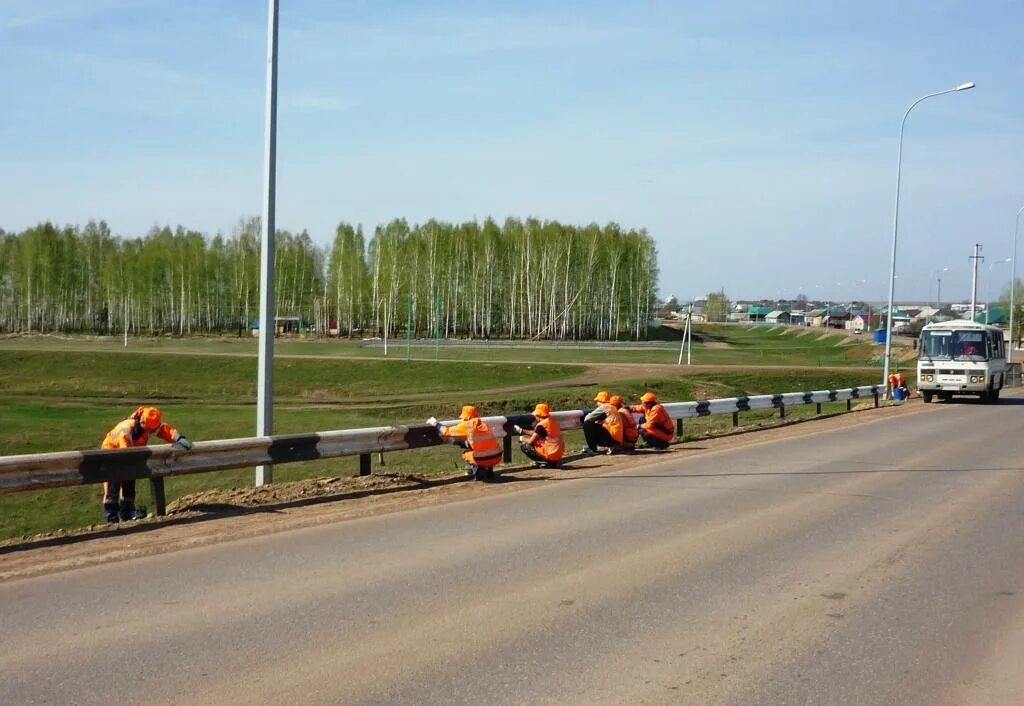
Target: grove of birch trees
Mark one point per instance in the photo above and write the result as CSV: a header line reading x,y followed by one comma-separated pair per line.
x,y
519,279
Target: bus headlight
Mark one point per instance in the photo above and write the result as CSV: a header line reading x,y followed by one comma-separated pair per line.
x,y
974,378
981,378
930,378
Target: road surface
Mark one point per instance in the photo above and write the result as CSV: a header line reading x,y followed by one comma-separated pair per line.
x,y
878,564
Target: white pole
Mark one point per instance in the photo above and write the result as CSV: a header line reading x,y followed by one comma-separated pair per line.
x,y
895,229
1013,282
974,280
265,383
682,343
689,338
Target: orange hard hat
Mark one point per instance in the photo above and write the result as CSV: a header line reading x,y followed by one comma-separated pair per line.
x,y
542,410
601,397
149,417
615,401
648,397
468,412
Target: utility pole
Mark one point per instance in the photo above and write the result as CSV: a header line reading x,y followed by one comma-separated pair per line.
x,y
975,258
265,384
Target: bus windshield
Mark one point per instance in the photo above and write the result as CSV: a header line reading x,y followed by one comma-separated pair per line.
x,y
953,345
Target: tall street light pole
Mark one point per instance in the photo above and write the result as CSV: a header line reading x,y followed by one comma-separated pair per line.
x,y
938,286
264,384
1013,281
896,222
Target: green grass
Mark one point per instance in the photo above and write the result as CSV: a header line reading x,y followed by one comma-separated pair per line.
x,y
208,397
147,376
747,345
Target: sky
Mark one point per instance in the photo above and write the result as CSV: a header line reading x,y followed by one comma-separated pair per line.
x,y
755,141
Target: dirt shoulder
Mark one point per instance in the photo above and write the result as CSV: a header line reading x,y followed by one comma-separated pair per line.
x,y
220,516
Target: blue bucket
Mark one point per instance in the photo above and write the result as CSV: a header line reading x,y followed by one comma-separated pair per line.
x,y
880,336
899,394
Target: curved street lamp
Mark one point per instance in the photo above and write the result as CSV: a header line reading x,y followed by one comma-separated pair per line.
x,y
1013,282
896,222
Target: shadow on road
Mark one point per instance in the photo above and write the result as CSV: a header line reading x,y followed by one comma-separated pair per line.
x,y
201,512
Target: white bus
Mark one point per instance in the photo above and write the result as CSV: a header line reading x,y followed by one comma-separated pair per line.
x,y
961,358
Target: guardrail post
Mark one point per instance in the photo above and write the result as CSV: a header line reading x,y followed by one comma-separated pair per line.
x,y
380,457
156,486
876,400
507,449
849,406
735,419
817,407
679,428
364,464
782,411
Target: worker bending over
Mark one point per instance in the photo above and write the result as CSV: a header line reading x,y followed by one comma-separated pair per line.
x,y
472,433
544,444
119,496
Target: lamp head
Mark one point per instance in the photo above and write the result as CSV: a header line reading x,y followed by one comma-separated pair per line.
x,y
965,86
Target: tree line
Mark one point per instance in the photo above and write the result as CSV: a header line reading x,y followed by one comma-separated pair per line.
x,y
520,279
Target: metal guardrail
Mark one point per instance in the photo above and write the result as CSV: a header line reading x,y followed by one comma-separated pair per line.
x,y
400,342
69,468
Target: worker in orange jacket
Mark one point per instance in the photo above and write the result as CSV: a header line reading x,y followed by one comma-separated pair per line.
x,y
630,431
119,496
898,381
472,433
602,427
544,444
657,430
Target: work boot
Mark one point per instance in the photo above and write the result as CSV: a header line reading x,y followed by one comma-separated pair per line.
x,y
484,474
110,510
471,470
127,510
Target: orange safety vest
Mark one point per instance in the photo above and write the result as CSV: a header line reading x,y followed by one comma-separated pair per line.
x,y
630,432
552,447
658,424
612,422
484,449
121,436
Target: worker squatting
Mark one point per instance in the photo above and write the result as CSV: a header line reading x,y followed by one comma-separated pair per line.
x,y
611,426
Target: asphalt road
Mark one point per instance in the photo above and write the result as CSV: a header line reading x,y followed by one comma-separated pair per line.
x,y
879,564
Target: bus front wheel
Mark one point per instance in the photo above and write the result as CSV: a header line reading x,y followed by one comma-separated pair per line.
x,y
926,396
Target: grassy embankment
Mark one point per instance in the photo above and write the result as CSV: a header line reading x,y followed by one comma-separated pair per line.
x,y
60,400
